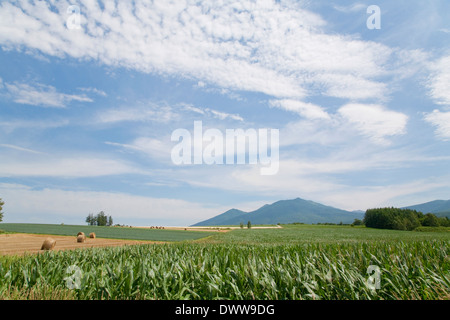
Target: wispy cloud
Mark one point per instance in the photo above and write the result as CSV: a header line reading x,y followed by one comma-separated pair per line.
x,y
279,49
74,206
41,95
441,121
439,82
307,110
10,146
374,121
351,8
94,90
352,122
158,149
141,112
211,112
11,125
65,167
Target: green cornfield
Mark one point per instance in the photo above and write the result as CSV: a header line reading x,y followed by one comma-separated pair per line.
x,y
236,271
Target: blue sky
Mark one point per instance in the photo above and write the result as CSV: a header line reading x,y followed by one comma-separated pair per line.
x,y
87,114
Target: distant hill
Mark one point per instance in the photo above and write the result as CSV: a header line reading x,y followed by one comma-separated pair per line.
x,y
222,219
285,211
438,207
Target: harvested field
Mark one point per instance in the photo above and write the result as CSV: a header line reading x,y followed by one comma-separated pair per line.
x,y
19,244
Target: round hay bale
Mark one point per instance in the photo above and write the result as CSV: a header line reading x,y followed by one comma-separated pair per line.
x,y
92,235
80,233
81,238
48,244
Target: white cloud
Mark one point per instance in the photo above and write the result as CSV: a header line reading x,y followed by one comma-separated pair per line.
x,y
366,197
75,167
11,125
439,83
211,112
374,121
274,48
441,120
351,86
94,90
307,110
41,95
351,8
14,147
224,115
155,148
141,113
74,206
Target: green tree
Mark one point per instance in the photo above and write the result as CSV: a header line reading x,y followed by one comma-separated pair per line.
x,y
444,221
430,220
102,219
249,225
2,203
242,225
392,218
110,221
90,219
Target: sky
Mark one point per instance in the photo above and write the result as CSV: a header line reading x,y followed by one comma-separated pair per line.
x,y
92,94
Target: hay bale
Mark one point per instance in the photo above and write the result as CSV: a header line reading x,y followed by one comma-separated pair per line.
x,y
48,244
80,233
81,238
92,235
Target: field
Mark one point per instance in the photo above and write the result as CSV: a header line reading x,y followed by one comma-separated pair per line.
x,y
20,244
293,262
106,232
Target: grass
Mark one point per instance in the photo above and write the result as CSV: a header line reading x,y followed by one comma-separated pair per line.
x,y
304,233
296,262
106,232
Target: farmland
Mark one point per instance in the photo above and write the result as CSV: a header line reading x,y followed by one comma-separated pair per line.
x,y
293,262
105,232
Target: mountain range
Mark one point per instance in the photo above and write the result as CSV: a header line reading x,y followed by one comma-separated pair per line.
x,y
309,212
439,207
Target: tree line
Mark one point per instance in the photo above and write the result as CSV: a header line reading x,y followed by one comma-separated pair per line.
x,y
101,219
402,219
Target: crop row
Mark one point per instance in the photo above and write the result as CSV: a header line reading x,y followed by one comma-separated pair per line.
x,y
411,270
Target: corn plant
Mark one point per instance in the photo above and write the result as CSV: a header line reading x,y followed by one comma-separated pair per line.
x,y
408,270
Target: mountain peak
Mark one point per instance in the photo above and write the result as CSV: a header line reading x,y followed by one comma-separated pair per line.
x,y
285,211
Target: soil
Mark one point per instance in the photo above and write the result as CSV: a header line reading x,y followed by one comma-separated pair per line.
x,y
19,243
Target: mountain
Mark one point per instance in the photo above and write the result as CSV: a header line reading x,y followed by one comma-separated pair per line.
x,y
221,219
285,211
306,211
438,207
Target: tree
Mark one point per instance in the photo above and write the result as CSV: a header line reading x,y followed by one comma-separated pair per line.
x,y
91,220
1,208
430,220
249,225
357,222
444,221
242,225
392,218
101,219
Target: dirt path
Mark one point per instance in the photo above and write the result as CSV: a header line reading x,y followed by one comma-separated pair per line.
x,y
19,243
